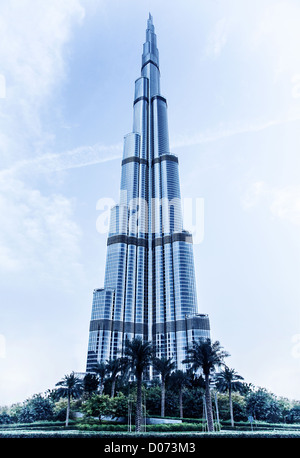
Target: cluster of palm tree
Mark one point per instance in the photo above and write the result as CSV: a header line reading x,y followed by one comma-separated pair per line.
x,y
204,355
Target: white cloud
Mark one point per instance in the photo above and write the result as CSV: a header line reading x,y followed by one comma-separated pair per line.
x,y
282,202
295,80
286,204
253,194
33,35
37,233
217,39
277,35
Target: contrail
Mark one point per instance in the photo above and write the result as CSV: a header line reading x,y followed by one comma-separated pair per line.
x,y
96,154
75,158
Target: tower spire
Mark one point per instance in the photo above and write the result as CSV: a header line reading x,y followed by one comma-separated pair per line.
x,y
150,21
150,59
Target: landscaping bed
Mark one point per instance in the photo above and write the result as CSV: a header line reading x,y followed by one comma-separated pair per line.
x,y
82,428
170,435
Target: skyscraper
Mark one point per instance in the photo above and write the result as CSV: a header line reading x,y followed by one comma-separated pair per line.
x,y
149,288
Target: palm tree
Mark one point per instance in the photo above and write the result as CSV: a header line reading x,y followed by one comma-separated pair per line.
x,y
90,384
69,386
229,380
164,366
101,370
113,367
179,380
206,355
138,355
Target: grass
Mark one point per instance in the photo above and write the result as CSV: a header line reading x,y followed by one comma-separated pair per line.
x,y
79,429
170,435
36,424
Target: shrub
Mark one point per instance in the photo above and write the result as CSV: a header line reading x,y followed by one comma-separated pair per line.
x,y
103,427
168,427
97,405
36,408
5,419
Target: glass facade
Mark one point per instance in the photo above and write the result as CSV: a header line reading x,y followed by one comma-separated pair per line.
x,y
149,287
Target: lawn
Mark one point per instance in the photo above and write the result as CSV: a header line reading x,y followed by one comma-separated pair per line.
x,y
82,429
73,433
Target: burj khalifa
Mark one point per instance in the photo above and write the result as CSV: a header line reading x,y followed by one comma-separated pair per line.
x,y
150,287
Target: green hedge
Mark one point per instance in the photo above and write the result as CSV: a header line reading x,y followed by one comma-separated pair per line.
x,y
245,425
89,427
37,424
186,427
174,427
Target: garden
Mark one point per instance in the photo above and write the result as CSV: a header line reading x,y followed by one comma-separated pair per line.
x,y
115,401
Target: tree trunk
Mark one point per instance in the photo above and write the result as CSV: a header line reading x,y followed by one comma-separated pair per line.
x,y
163,398
68,410
138,415
231,407
101,386
180,403
210,423
113,385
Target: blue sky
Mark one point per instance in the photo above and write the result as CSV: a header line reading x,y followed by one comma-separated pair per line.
x,y
231,74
